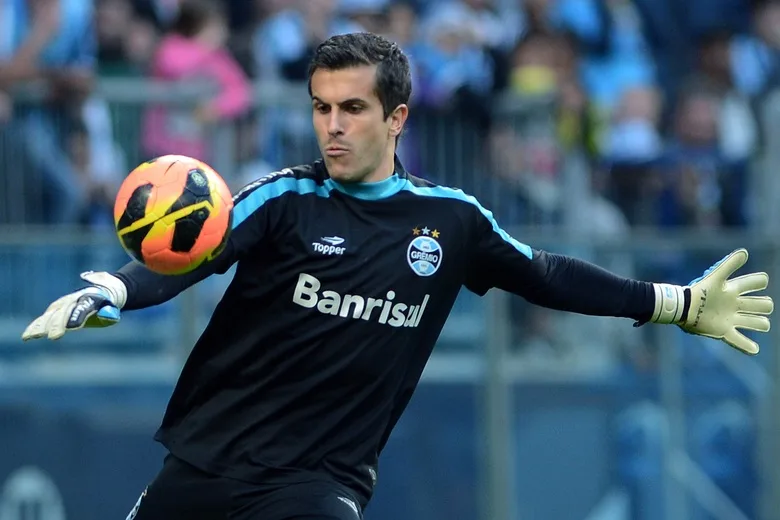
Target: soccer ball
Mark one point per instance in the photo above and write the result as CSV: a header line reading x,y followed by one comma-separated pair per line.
x,y
173,213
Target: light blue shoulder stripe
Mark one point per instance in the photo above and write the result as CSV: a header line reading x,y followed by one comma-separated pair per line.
x,y
271,190
450,193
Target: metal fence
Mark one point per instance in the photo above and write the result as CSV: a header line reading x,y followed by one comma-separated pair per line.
x,y
47,156
522,413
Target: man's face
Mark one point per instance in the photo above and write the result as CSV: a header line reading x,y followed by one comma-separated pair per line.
x,y
355,139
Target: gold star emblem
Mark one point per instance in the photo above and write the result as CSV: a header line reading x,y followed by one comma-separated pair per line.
x,y
416,231
435,233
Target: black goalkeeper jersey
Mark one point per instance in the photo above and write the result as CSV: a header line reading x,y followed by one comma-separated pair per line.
x,y
339,295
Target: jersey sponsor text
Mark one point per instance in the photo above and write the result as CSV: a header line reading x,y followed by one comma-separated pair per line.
x,y
385,311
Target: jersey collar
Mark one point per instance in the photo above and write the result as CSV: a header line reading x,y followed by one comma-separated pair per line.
x,y
372,190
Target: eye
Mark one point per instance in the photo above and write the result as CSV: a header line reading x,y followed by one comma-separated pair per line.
x,y
354,109
322,109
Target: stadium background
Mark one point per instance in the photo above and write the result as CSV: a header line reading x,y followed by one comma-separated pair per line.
x,y
643,135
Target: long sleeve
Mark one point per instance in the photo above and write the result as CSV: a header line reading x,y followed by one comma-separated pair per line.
x,y
146,288
570,284
554,281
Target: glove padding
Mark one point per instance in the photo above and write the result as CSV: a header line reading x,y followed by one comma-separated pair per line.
x,y
716,307
95,306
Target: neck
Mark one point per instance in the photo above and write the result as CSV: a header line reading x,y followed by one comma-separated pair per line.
x,y
385,170
376,190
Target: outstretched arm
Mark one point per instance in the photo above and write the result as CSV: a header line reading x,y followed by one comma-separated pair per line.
x,y
714,305
135,287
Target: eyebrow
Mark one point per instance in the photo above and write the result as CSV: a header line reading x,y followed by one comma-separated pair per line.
x,y
349,101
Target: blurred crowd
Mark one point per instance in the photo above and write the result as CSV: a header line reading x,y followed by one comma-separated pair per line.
x,y
656,98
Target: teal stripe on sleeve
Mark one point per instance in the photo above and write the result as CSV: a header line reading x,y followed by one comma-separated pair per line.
x,y
271,190
450,193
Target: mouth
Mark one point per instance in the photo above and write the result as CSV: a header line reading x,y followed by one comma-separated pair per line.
x,y
336,151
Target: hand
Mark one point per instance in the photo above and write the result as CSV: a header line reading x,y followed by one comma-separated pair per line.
x,y
719,305
95,306
716,306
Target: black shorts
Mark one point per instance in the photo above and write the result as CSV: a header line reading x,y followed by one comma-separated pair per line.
x,y
183,492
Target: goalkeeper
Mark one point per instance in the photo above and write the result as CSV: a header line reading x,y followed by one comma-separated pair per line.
x,y
347,269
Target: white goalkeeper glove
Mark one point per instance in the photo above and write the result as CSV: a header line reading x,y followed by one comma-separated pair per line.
x,y
715,306
95,306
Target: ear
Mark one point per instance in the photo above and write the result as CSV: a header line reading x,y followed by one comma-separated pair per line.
x,y
398,119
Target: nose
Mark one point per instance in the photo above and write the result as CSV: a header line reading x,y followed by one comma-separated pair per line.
x,y
335,126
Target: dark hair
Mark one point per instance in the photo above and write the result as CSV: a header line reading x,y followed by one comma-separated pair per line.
x,y
393,77
193,16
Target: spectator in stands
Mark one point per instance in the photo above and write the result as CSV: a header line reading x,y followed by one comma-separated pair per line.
x,y
126,41
192,52
283,43
544,65
98,181
633,135
496,28
455,80
161,14
632,148
286,39
523,185
455,70
755,57
737,125
111,18
613,52
53,44
535,63
401,23
367,14
695,170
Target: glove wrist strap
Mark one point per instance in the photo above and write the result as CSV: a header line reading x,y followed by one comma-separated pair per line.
x,y
115,288
671,305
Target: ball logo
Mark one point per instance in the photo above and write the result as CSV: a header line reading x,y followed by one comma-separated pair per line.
x,y
424,256
198,178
